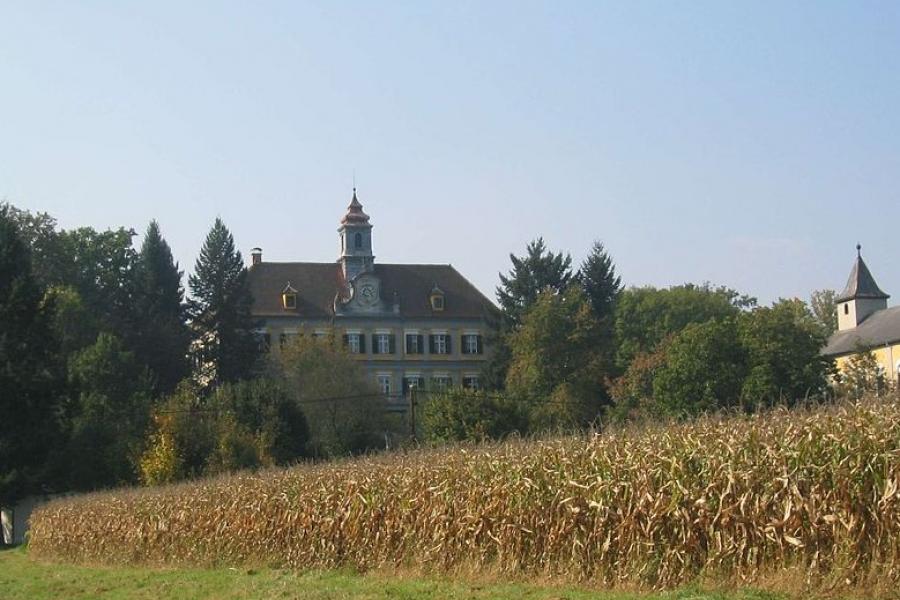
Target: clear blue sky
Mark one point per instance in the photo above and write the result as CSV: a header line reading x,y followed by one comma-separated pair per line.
x,y
748,144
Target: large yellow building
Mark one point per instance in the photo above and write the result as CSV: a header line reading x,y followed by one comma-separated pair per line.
x,y
865,323
409,325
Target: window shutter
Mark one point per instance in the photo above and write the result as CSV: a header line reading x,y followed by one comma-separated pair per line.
x,y
480,344
449,338
431,343
362,343
421,343
346,338
393,343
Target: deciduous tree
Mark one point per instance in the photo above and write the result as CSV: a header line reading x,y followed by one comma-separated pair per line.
x,y
559,360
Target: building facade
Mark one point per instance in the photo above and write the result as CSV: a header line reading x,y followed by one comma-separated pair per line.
x,y
409,325
865,323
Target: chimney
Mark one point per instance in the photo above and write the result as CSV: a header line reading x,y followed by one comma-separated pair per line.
x,y
256,255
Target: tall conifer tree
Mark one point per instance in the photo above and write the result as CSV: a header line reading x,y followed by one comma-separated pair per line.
x,y
29,381
600,283
163,336
537,271
220,309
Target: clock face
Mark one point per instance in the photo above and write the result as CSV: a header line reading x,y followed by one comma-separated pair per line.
x,y
367,293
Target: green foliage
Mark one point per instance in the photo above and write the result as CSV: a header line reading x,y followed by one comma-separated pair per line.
x,y
560,359
632,392
110,414
645,316
861,375
99,266
539,270
704,370
29,379
758,358
783,344
249,424
823,304
162,337
345,413
459,414
597,276
270,414
220,309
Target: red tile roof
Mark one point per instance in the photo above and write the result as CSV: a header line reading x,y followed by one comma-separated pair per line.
x,y
317,284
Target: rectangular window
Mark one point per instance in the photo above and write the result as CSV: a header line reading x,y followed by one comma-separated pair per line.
x,y
264,340
353,343
286,338
384,384
414,343
441,383
413,381
440,343
470,382
383,343
471,344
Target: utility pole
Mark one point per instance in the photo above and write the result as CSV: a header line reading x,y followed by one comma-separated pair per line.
x,y
412,411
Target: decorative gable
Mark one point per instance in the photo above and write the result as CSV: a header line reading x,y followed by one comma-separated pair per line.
x,y
289,297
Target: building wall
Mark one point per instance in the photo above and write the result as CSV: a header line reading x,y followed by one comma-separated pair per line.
x,y
456,364
854,312
14,521
888,357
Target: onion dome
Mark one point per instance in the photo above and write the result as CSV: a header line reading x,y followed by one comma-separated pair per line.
x,y
355,214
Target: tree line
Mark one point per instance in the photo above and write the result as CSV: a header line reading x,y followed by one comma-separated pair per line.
x,y
110,374
574,348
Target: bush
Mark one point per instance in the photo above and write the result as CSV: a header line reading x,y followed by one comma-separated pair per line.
x,y
346,414
459,414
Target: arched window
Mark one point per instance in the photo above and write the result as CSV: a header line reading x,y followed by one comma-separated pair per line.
x,y
357,241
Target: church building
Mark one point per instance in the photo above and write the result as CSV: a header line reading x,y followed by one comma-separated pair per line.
x,y
410,325
865,323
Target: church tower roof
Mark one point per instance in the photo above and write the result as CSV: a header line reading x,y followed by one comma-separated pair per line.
x,y
355,214
861,284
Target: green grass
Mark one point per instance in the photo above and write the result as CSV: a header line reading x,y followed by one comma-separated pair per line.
x,y
24,577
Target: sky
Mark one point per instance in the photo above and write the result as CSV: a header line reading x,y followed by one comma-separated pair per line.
x,y
745,144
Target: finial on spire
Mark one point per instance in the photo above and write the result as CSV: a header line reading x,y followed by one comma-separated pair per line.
x,y
858,249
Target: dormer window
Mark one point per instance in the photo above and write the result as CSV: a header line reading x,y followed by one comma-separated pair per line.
x,y
437,299
289,297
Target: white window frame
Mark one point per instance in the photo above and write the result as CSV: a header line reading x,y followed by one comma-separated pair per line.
x,y
442,381
353,344
385,383
415,335
474,378
440,343
470,343
383,343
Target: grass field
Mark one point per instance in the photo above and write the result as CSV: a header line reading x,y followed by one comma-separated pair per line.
x,y
23,577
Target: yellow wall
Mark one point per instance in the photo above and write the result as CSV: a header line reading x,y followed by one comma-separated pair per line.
x,y
887,357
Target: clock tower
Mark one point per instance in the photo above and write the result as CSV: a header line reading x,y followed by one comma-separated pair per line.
x,y
356,241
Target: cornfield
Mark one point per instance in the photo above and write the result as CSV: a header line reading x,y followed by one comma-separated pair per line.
x,y
733,498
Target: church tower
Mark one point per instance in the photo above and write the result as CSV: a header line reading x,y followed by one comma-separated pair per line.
x,y
356,241
861,297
